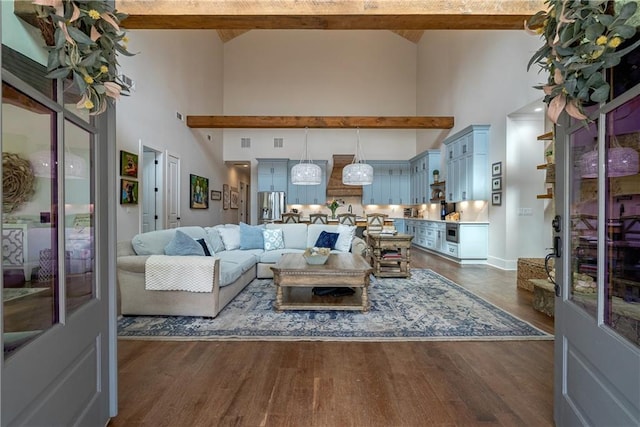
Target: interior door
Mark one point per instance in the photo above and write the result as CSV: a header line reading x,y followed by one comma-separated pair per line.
x,y
149,191
597,313
56,368
173,191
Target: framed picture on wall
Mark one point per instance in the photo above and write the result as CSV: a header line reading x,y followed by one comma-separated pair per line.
x,y
496,169
233,202
216,195
128,192
496,184
198,192
225,196
128,164
496,199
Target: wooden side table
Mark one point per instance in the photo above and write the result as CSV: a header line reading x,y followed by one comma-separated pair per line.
x,y
391,254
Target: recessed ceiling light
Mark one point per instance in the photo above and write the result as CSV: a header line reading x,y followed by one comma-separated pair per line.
x,y
538,109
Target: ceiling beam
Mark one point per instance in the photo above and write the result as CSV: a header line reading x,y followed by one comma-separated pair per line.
x,y
327,22
335,122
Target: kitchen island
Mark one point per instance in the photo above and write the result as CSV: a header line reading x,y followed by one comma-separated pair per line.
x,y
466,242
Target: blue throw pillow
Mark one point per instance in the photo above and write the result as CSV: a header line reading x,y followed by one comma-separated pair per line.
x,y
205,246
327,240
183,244
251,236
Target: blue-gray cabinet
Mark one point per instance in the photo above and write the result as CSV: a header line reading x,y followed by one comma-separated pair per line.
x,y
468,164
422,167
308,194
273,174
390,183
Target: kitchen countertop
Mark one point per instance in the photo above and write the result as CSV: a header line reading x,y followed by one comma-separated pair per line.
x,y
444,221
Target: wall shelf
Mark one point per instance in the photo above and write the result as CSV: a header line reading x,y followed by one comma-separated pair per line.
x,y
546,136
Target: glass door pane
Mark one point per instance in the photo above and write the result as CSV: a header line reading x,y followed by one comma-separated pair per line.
x,y
79,218
29,220
622,204
583,200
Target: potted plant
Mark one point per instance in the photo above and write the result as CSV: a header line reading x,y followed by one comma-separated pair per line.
x,y
580,42
436,175
549,155
83,39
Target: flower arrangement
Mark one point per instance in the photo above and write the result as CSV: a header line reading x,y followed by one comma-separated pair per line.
x,y
333,205
86,40
581,40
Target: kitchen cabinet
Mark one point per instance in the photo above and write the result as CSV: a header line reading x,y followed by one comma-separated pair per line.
x,y
308,194
422,167
467,164
273,174
472,246
390,184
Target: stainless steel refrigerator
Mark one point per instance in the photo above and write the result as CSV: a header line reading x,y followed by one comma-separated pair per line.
x,y
271,205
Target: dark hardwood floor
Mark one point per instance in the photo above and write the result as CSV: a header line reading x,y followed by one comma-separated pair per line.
x,y
502,383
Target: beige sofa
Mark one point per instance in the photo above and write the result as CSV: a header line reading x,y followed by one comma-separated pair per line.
x,y
235,267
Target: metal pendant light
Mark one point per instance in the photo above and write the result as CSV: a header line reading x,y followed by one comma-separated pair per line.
x,y
358,172
306,172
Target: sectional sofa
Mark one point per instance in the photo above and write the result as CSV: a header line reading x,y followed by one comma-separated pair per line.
x,y
239,256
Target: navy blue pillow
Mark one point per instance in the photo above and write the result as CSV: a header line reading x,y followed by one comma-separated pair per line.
x,y
204,247
327,240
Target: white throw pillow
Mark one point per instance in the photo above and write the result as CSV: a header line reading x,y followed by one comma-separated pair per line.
x,y
230,237
273,239
346,235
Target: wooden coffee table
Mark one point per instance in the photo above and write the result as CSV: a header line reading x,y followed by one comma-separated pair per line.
x,y
294,280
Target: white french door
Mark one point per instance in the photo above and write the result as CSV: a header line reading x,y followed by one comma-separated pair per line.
x,y
597,315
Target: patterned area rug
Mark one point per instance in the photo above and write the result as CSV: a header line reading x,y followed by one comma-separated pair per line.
x,y
9,294
425,307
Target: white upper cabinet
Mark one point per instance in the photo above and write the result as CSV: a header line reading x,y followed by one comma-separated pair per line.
x,y
468,164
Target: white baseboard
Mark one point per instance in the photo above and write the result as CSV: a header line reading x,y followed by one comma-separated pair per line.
x,y
503,264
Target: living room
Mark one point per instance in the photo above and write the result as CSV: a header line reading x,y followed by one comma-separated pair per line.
x,y
376,73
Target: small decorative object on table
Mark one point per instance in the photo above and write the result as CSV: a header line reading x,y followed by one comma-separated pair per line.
x,y
316,256
333,205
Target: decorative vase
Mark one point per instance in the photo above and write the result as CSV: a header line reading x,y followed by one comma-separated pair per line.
x,y
333,214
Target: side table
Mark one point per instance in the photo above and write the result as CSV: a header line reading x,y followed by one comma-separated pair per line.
x,y
391,254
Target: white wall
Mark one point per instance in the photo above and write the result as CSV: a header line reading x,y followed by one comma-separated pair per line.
x,y
21,36
174,71
480,77
307,72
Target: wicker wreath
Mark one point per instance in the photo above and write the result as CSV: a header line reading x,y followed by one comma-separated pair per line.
x,y
18,181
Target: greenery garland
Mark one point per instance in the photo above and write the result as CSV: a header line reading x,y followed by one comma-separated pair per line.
x,y
85,43
581,40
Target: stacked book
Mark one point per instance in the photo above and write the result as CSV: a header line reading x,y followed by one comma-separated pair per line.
x,y
390,254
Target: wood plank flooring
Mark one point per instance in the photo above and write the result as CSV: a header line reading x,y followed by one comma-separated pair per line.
x,y
498,383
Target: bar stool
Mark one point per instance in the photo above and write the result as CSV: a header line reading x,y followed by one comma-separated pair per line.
x,y
290,218
317,218
347,219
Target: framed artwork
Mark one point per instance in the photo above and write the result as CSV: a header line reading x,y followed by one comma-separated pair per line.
x,y
234,198
496,199
216,195
225,196
128,164
128,192
198,191
496,169
496,184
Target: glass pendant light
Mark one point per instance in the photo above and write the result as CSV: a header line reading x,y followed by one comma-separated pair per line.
x,y
306,172
358,172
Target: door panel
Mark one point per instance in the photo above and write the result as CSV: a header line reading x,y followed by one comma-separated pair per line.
x,y
173,191
596,317
149,194
58,371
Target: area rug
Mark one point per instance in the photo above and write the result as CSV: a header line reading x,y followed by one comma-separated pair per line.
x,y
10,294
425,307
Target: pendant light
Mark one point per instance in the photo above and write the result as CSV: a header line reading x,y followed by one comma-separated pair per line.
x,y
306,172
621,161
75,167
358,172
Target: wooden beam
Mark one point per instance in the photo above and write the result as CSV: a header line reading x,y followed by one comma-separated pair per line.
x,y
335,122
327,22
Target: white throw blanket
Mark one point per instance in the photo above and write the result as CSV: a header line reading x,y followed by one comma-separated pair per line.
x,y
179,273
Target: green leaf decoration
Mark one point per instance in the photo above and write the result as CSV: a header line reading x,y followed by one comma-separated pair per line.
x,y
601,94
79,36
594,31
60,73
625,31
90,60
627,10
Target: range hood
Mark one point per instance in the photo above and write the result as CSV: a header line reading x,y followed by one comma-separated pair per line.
x,y
335,187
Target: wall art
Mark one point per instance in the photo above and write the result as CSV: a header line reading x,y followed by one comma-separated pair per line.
x,y
128,192
128,164
199,189
225,196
